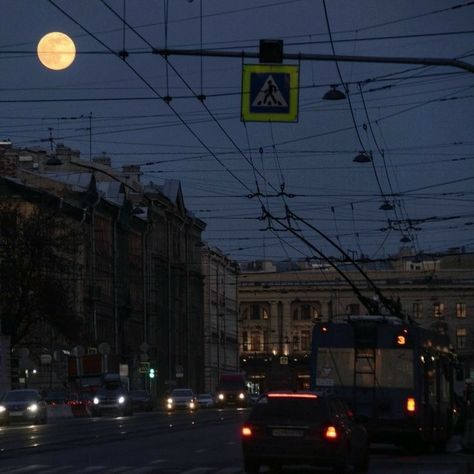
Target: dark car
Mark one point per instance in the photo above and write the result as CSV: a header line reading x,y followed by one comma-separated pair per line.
x,y
56,397
141,400
112,397
303,428
80,403
23,405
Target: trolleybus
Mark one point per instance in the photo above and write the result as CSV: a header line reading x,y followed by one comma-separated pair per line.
x,y
396,376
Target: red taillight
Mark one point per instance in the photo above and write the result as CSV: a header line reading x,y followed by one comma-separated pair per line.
x,y
411,405
246,431
330,433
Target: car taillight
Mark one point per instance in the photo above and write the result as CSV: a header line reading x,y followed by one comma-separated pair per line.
x,y
411,405
246,431
330,433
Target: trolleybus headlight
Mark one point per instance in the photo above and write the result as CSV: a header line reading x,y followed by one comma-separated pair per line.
x,y
96,401
220,396
241,395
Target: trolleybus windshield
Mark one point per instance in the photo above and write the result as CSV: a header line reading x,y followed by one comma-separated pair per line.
x,y
393,368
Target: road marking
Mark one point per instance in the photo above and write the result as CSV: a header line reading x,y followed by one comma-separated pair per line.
x,y
197,470
33,467
230,470
66,468
122,469
157,461
199,451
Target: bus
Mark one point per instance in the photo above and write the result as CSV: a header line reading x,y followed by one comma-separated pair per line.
x,y
396,377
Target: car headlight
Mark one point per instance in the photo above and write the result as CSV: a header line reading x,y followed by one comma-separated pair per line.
x,y
121,400
170,401
241,395
221,396
33,407
96,401
191,404
2,409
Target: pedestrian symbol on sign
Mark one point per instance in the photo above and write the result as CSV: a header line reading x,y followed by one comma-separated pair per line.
x,y
270,95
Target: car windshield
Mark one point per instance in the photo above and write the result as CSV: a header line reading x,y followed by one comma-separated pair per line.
x,y
22,396
112,386
182,393
298,409
139,393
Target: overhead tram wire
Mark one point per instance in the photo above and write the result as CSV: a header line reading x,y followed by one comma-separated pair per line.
x,y
193,133
232,141
195,95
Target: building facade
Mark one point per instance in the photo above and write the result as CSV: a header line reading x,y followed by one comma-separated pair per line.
x,y
278,308
221,347
138,283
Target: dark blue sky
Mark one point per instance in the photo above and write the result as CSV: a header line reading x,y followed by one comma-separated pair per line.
x,y
417,122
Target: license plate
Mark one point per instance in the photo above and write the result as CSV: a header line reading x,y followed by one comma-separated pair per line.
x,y
16,413
287,432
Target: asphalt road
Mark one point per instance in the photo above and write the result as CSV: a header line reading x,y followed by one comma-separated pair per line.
x,y
203,443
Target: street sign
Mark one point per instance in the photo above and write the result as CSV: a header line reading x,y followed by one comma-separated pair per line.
x,y
270,93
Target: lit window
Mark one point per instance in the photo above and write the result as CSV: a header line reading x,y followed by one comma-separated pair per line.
x,y
461,338
461,311
438,310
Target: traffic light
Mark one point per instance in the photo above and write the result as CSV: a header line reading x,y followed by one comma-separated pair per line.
x,y
151,373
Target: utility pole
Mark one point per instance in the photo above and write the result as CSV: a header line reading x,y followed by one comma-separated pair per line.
x,y
165,52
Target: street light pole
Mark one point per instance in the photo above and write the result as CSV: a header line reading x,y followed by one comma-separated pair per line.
x,y
165,52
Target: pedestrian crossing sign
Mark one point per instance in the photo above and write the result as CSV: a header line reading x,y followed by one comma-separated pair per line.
x,y
270,93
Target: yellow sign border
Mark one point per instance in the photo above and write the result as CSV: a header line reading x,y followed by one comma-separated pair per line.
x,y
292,114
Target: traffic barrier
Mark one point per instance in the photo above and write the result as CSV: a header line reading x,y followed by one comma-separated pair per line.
x,y
59,411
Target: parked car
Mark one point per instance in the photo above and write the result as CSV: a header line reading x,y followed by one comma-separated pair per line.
x,y
23,405
181,399
112,397
205,400
303,428
141,400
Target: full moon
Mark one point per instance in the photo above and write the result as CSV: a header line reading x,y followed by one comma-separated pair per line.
x,y
56,51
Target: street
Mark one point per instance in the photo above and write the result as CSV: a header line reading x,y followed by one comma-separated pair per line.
x,y
184,443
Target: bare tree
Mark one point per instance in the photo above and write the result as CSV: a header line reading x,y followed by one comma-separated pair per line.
x,y
38,266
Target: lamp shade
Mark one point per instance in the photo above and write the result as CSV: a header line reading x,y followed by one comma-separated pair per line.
x,y
363,157
334,94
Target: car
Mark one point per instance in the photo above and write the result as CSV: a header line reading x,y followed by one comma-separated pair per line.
x,y
205,400
141,400
253,397
181,399
112,397
80,403
303,428
56,397
23,405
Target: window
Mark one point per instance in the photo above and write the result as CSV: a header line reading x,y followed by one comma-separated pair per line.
x,y
417,310
265,313
296,342
461,310
255,311
438,310
245,346
461,338
305,340
306,311
256,342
